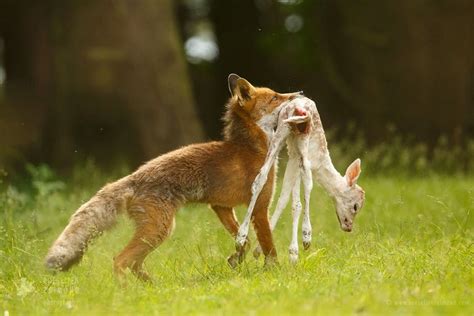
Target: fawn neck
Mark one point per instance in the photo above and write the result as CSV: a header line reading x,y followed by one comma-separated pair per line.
x,y
322,166
330,179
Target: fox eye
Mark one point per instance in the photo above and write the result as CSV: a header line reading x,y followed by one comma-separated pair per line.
x,y
355,207
274,98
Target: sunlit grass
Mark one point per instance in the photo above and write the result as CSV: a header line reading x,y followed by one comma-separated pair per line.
x,y
412,251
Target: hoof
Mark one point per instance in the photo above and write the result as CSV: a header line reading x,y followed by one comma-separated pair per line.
x,y
240,242
306,239
306,245
293,255
293,258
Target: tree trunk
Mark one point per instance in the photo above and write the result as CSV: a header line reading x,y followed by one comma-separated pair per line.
x,y
108,77
160,93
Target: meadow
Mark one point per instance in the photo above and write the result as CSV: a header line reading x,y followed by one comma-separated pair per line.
x,y
411,252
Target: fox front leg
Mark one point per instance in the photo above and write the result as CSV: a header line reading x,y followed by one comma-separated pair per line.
x,y
289,180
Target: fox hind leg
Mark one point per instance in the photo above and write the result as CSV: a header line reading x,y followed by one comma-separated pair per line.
x,y
154,223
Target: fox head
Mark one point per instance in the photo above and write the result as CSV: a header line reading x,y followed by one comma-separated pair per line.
x,y
257,104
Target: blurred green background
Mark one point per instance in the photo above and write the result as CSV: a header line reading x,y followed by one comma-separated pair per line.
x,y
120,81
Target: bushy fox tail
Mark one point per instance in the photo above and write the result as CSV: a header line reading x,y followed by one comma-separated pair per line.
x,y
92,218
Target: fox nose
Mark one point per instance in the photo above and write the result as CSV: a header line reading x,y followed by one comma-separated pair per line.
x,y
301,93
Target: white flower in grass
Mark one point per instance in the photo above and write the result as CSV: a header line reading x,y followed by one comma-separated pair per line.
x,y
69,305
25,288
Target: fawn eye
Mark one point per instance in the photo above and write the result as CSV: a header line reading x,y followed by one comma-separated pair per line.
x,y
355,207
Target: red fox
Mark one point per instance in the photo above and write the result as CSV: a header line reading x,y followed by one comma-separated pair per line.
x,y
219,173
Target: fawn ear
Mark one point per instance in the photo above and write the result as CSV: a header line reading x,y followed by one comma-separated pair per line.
x,y
353,172
240,87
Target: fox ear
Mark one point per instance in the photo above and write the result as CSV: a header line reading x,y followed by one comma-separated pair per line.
x,y
232,82
240,87
353,172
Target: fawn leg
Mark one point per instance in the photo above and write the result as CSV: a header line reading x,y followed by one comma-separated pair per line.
x,y
289,180
259,183
307,179
296,212
154,223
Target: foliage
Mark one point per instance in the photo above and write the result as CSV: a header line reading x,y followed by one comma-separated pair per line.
x,y
402,155
411,252
70,89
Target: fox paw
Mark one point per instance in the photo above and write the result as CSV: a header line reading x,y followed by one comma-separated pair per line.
x,y
233,260
271,261
257,252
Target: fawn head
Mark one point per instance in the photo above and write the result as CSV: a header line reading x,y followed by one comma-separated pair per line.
x,y
350,198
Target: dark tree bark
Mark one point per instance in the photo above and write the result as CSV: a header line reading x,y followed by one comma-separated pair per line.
x,y
159,92
108,79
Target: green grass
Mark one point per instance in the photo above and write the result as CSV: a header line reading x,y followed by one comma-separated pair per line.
x,y
412,252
